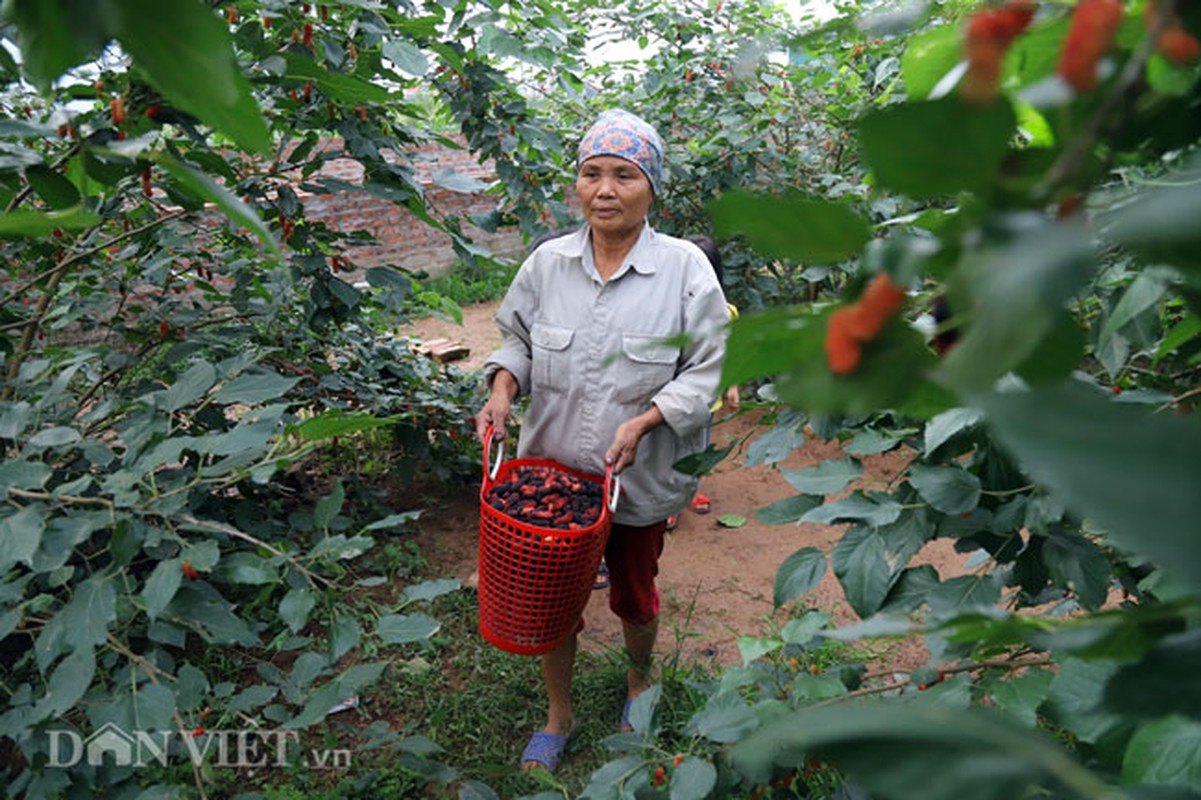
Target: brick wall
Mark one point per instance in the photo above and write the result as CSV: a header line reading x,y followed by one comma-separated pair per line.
x,y
402,239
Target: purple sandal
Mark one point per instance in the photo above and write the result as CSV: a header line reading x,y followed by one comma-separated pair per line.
x,y
545,749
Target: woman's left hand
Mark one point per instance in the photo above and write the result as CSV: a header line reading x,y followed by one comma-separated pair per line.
x,y
624,450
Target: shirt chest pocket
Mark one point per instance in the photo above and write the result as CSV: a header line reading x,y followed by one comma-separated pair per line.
x,y
551,357
650,363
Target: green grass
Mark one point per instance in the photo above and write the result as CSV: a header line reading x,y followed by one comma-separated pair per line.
x,y
467,286
480,705
472,707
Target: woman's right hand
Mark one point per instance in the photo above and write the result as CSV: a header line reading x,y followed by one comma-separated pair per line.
x,y
495,412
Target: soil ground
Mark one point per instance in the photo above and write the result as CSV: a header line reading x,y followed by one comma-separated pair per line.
x,y
715,582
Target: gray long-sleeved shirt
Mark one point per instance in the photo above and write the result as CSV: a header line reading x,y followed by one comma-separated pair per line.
x,y
593,354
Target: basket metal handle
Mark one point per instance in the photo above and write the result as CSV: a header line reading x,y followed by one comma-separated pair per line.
x,y
500,455
612,488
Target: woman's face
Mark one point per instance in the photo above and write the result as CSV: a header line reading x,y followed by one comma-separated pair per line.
x,y
614,194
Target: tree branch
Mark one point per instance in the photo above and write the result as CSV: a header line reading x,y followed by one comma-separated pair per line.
x,y
312,577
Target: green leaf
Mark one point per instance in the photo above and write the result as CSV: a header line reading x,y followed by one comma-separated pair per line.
x,y
338,85
340,548
295,608
161,585
1078,564
642,710
752,649
910,590
344,636
828,477
931,149
801,572
67,684
153,707
328,506
391,521
1184,331
252,697
499,42
731,520
802,631
431,589
948,424
1020,696
602,782
246,568
407,57
21,534
892,373
1059,353
184,50
1074,701
857,508
406,628
1018,293
476,790
35,224
1132,471
951,490
335,422
1142,294
870,442
859,560
1160,223
790,509
199,607
928,57
926,750
1162,682
1165,752
694,779
190,386
57,436
775,445
58,192
765,344
255,388
84,621
964,593
205,188
14,418
725,718
55,35
23,474
791,226
339,689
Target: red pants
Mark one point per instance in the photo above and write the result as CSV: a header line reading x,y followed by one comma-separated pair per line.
x,y
633,558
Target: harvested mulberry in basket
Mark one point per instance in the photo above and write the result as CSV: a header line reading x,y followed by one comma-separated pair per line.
x,y
548,498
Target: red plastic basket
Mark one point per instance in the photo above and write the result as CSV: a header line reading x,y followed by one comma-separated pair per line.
x,y
536,581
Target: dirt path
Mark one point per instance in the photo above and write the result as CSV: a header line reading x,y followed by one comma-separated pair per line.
x,y
715,582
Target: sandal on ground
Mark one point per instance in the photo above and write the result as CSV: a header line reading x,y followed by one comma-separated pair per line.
x,y
602,577
673,521
546,749
701,504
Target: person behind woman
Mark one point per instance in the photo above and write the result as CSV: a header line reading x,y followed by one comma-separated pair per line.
x,y
701,503
615,334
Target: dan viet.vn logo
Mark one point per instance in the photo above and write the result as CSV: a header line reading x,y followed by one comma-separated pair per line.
x,y
238,749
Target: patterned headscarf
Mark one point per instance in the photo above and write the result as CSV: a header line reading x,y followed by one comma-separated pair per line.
x,y
619,133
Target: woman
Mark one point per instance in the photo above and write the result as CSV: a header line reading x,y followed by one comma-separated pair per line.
x,y
594,328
